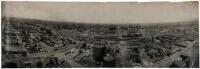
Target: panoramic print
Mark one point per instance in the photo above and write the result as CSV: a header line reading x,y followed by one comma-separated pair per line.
x,y
99,35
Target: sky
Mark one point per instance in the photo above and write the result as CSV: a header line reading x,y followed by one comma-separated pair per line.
x,y
111,12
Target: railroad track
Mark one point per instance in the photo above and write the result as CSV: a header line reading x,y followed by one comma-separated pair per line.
x,y
168,60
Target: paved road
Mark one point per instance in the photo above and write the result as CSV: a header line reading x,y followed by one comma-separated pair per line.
x,y
167,61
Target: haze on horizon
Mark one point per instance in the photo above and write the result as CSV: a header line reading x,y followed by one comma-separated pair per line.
x,y
96,12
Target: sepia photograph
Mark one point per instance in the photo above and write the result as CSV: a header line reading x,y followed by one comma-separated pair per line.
x,y
46,34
